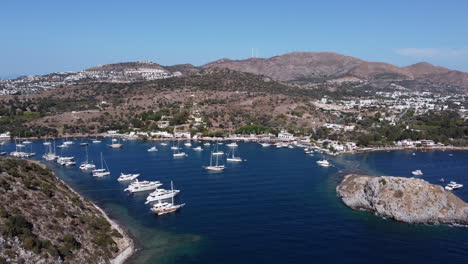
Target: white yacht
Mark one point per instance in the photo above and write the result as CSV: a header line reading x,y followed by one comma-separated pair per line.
x,y
68,142
161,194
27,142
233,158
215,167
207,144
163,144
62,146
265,144
453,186
232,145
198,148
188,144
46,143
96,141
152,149
323,163
217,152
128,177
417,173
102,171
142,186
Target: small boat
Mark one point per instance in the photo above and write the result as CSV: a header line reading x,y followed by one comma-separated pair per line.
x,y
64,160
3,153
215,167
441,180
142,186
96,141
188,144
163,144
128,177
152,149
207,144
68,143
114,140
161,194
116,145
198,148
27,142
323,163
453,186
414,154
417,173
232,145
265,144
62,146
47,143
290,146
84,144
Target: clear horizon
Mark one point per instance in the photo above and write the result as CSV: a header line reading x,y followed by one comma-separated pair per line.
x,y
55,36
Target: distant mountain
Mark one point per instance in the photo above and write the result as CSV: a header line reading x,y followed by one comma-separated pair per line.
x,y
322,66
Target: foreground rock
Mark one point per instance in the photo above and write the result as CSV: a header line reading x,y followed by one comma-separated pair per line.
x,y
42,220
408,200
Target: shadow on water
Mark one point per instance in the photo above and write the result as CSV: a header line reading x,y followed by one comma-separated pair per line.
x,y
154,245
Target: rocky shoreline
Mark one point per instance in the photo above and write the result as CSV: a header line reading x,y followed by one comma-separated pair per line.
x,y
408,200
126,244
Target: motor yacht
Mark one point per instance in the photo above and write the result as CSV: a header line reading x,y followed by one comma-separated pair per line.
x,y
323,163
152,149
417,173
128,177
142,186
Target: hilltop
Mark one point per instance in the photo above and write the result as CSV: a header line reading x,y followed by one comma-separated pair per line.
x,y
43,221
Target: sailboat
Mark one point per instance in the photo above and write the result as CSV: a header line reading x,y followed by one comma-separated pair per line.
x,y
216,167
101,172
234,158
96,141
177,153
50,156
173,147
86,165
161,208
217,152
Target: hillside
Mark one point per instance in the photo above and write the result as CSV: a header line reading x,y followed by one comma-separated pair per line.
x,y
322,66
43,221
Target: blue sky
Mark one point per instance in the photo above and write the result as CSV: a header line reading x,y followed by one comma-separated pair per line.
x,y
47,36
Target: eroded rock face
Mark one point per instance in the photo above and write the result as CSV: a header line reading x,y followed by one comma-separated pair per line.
x,y
408,200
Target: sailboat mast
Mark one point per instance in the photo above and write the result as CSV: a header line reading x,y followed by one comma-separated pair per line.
x,y
172,192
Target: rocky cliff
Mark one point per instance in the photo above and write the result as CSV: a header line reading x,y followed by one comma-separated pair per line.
x,y
43,221
408,200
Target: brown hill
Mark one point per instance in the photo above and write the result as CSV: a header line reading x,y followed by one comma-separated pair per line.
x,y
320,66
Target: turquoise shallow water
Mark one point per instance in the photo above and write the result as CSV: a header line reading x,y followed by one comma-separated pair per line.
x,y
276,207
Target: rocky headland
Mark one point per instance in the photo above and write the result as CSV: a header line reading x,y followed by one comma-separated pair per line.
x,y
409,200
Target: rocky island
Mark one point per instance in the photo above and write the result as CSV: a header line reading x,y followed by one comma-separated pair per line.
x,y
409,200
42,220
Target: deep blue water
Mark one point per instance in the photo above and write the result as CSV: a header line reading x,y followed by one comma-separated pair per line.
x,y
276,207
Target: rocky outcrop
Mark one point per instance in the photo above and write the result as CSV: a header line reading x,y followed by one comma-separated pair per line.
x,y
408,200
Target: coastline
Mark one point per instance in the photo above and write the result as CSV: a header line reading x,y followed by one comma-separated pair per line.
x,y
125,244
